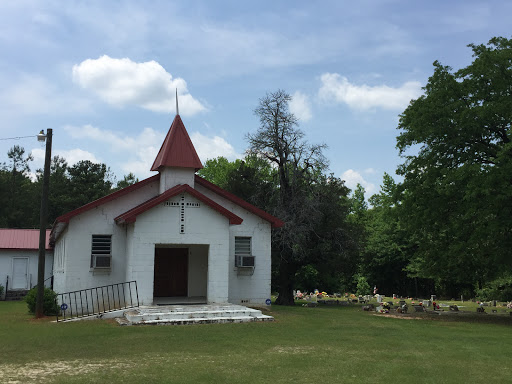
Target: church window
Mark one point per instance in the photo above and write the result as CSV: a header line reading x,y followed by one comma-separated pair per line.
x,y
243,254
101,251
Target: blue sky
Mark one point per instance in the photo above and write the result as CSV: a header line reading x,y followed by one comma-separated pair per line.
x,y
103,74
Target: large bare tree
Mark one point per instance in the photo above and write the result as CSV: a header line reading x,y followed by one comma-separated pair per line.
x,y
279,140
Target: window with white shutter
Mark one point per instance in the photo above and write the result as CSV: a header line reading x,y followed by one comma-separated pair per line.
x,y
101,251
243,252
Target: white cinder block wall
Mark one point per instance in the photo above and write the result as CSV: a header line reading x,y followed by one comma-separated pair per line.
x,y
208,235
160,226
76,242
244,288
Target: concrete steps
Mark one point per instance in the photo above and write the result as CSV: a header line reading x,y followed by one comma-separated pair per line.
x,y
192,314
15,295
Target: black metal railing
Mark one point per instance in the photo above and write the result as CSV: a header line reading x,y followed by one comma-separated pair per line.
x,y
6,287
97,300
51,281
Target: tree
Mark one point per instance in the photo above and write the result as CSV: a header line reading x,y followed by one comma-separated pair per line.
x,y
19,208
128,180
457,189
216,171
88,182
387,247
280,142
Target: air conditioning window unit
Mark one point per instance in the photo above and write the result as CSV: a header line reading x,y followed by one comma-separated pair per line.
x,y
102,261
244,261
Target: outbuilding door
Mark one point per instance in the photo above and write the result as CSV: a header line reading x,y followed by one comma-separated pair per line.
x,y
19,273
171,272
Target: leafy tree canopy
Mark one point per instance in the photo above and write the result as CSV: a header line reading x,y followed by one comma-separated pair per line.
x,y
457,189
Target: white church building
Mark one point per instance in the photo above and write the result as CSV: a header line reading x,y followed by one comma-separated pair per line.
x,y
177,235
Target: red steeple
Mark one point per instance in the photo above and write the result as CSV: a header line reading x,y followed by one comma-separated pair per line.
x,y
177,149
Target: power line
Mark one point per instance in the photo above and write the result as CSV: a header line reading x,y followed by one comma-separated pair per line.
x,y
17,137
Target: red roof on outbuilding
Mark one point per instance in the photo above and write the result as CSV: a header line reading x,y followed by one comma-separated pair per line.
x,y
131,215
22,239
177,149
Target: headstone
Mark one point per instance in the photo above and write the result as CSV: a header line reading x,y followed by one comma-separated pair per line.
x,y
401,303
419,308
379,298
427,303
433,297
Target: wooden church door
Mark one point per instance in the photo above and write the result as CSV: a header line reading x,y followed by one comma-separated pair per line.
x,y
171,272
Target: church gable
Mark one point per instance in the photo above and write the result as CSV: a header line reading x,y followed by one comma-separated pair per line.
x,y
165,198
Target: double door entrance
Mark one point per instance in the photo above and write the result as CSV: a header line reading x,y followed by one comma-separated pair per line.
x,y
171,272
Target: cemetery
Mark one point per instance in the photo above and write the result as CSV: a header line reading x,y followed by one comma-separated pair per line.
x,y
408,306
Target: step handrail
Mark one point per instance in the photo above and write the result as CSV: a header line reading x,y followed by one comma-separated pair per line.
x,y
97,300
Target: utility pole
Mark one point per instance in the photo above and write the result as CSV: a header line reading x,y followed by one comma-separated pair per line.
x,y
43,219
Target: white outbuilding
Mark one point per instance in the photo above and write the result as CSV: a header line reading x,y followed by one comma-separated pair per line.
x,y
180,237
19,258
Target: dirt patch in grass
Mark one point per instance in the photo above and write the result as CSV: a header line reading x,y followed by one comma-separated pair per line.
x,y
402,317
292,350
38,372
463,317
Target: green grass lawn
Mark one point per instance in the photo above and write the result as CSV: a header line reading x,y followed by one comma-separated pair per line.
x,y
304,345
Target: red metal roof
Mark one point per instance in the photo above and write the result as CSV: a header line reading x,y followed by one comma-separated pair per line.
x,y
276,223
61,221
131,215
105,199
22,239
177,149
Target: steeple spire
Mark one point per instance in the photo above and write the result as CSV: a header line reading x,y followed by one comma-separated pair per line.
x,y
177,109
177,149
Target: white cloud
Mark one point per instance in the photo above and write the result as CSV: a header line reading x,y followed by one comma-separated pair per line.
x,y
72,156
123,82
352,178
338,89
29,94
139,151
300,107
211,147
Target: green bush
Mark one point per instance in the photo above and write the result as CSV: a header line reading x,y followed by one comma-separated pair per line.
x,y
363,288
1,290
499,289
307,279
50,307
